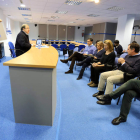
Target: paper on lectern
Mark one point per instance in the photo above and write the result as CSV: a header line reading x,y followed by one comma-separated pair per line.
x,y
2,32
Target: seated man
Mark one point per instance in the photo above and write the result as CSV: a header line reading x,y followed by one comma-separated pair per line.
x,y
118,47
80,56
129,64
130,89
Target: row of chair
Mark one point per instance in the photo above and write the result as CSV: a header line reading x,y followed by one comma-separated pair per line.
x,y
65,47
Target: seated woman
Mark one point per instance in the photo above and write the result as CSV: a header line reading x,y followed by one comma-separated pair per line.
x,y
93,58
105,64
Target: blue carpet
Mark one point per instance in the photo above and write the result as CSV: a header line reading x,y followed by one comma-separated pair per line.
x,y
77,117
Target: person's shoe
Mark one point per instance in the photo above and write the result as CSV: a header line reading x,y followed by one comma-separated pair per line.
x,y
104,97
93,85
118,120
64,61
69,71
91,82
98,93
79,64
104,102
79,78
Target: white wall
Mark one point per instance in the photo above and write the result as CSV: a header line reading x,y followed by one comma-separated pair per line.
x,y
12,25
78,33
33,31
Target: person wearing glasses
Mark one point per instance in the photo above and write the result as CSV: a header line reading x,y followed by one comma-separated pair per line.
x,y
22,41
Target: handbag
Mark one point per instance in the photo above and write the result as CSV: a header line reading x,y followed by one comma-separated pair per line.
x,y
128,76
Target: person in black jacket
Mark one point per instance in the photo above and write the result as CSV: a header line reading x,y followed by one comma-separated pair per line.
x,y
130,64
105,64
91,58
118,48
22,41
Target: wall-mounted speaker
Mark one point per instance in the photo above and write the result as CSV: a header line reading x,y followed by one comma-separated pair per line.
x,y
35,25
78,27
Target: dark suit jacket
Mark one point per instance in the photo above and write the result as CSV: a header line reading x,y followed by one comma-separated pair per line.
x,y
22,43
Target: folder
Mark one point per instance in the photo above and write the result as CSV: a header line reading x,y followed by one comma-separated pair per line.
x,y
2,32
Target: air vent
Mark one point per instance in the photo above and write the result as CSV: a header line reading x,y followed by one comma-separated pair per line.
x,y
72,22
93,15
80,19
115,8
28,18
73,2
26,15
54,17
61,12
24,9
51,20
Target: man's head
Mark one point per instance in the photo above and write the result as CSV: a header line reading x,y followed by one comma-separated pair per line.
x,y
89,41
25,28
116,42
133,49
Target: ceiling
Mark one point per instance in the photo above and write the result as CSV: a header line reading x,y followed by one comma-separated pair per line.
x,y
42,10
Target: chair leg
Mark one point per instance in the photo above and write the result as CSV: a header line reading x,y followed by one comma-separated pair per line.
x,y
118,100
115,86
134,99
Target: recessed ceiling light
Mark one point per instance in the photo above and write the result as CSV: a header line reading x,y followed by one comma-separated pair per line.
x,y
96,1
80,19
22,5
61,12
93,15
73,2
6,4
115,8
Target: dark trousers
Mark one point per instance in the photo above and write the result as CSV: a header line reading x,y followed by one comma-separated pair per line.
x,y
85,63
18,53
95,72
130,90
75,56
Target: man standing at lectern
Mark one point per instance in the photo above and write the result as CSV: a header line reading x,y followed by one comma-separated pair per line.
x,y
22,42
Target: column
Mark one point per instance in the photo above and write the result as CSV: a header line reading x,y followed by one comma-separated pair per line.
x,y
124,29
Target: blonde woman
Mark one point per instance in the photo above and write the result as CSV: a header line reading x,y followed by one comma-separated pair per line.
x,y
93,58
105,64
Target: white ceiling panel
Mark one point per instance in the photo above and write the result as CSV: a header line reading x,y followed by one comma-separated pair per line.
x,y
47,8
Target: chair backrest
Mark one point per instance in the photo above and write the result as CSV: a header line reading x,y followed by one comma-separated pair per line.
x,y
55,46
33,39
81,47
75,49
68,40
63,46
71,46
11,46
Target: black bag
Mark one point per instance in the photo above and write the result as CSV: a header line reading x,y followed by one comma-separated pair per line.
x,y
64,51
70,52
128,76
